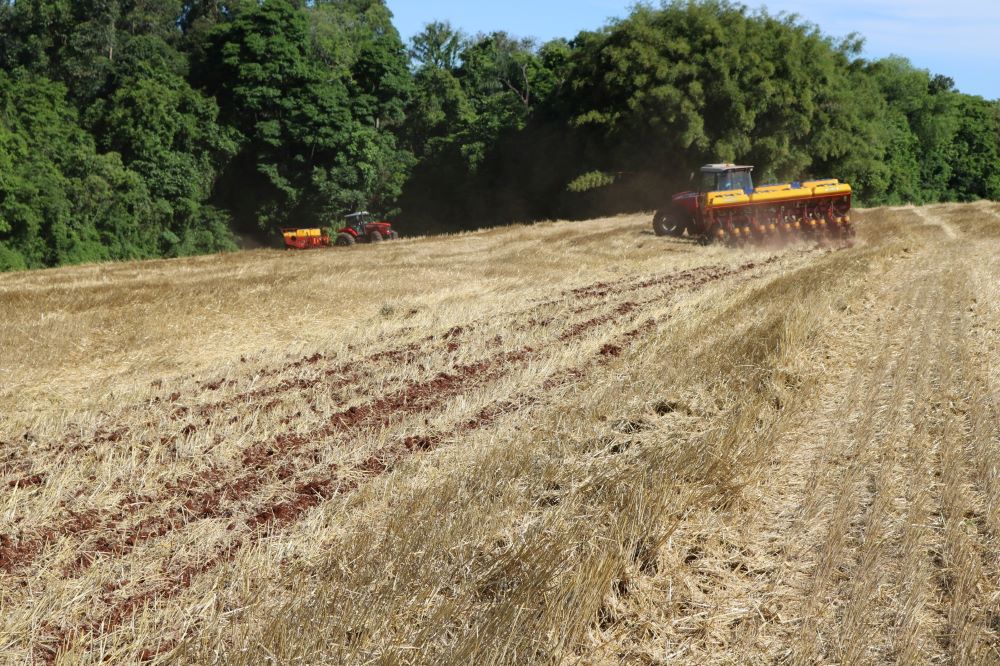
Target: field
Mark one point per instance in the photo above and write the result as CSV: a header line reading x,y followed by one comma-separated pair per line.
x,y
563,443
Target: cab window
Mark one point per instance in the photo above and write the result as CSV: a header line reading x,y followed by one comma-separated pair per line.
x,y
708,181
739,180
727,180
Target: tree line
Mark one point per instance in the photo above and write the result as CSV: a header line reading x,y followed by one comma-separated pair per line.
x,y
134,129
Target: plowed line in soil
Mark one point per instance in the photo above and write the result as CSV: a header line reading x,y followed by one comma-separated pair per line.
x,y
805,495
911,531
210,489
970,545
797,499
347,372
310,494
599,293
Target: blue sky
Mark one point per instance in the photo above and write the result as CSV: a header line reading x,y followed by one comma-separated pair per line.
x,y
958,38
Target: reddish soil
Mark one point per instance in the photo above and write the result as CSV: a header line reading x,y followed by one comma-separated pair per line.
x,y
27,481
215,492
307,495
211,490
347,372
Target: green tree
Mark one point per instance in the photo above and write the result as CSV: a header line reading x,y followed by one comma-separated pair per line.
x,y
356,43
168,133
304,155
84,43
975,151
134,128
61,201
666,90
438,46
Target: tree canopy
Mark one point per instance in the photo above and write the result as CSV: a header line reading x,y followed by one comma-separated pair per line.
x,y
133,128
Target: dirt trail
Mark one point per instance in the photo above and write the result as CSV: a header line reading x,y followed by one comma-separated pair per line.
x,y
929,217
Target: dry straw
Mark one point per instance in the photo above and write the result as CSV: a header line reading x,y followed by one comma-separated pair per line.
x,y
570,443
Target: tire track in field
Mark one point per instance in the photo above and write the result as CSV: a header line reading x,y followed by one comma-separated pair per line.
x,y
918,550
747,576
969,548
849,497
874,567
931,219
212,490
868,544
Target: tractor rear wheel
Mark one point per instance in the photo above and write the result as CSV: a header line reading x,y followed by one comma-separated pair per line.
x,y
668,223
375,237
345,240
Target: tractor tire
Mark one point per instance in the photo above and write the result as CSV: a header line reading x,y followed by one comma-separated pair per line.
x,y
345,240
393,235
375,237
668,223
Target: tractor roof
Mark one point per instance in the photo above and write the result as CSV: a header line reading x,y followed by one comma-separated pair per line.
x,y
722,168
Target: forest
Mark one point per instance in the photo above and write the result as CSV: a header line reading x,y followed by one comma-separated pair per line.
x,y
133,129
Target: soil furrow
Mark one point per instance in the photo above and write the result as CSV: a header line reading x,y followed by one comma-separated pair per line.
x,y
210,492
310,494
348,373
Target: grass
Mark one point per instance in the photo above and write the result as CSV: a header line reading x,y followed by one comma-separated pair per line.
x,y
571,443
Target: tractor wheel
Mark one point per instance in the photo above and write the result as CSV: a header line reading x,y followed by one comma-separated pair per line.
x,y
668,223
393,235
375,237
345,240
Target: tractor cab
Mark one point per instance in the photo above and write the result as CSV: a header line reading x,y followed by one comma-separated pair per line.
x,y
685,209
357,221
726,177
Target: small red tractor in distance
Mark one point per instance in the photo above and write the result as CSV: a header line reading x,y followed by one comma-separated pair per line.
x,y
305,239
360,228
727,208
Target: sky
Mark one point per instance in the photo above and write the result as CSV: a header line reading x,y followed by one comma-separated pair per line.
x,y
957,38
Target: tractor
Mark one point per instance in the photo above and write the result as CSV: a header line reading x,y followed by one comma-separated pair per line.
x,y
728,208
360,228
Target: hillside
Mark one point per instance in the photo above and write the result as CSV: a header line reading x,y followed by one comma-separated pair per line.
x,y
568,442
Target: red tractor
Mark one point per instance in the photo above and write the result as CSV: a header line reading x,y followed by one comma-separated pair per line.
x,y
360,228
